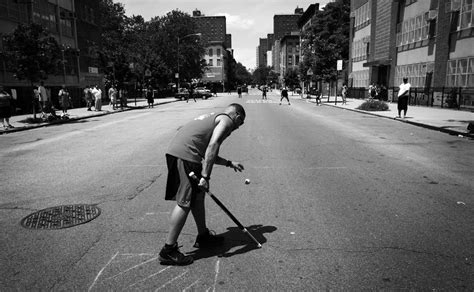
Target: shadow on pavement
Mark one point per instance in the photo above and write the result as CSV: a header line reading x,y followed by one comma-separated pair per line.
x,y
234,237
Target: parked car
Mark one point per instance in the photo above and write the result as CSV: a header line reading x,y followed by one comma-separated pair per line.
x,y
202,92
182,94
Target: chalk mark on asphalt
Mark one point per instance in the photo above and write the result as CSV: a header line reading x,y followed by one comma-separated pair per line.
x,y
172,280
151,276
217,274
102,270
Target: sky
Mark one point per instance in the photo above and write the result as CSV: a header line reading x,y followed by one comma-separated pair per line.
x,y
247,20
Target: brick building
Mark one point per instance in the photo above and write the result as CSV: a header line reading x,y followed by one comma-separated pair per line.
x,y
283,24
429,42
74,24
219,54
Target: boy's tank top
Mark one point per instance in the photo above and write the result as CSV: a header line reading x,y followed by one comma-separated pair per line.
x,y
191,141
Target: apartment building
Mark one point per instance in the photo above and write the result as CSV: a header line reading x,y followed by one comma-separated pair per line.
x,y
429,42
74,25
219,54
283,24
289,54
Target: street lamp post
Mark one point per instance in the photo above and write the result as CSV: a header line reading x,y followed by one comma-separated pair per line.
x,y
179,39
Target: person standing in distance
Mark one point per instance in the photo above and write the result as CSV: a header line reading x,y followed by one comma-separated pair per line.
x,y
403,95
65,99
191,94
195,149
43,96
284,94
5,108
264,92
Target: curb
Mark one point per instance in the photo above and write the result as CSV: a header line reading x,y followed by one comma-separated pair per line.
x,y
443,130
58,122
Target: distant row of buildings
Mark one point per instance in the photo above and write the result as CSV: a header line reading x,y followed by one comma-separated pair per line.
x,y
430,42
281,49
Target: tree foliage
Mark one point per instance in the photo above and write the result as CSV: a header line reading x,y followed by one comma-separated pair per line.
x,y
242,75
326,41
131,46
261,75
291,77
32,53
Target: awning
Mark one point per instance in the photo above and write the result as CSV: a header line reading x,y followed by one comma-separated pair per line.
x,y
378,63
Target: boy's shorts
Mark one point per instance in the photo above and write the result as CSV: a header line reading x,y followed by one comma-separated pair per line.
x,y
179,185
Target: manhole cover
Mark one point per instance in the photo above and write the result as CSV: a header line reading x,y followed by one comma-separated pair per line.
x,y
61,217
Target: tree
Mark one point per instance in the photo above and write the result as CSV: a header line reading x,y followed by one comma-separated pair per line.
x,y
261,74
164,33
327,40
242,75
32,54
291,77
114,49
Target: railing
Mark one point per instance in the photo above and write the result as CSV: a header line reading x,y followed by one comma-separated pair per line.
x,y
461,98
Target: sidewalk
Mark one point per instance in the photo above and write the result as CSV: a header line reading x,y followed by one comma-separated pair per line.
x,y
449,121
20,122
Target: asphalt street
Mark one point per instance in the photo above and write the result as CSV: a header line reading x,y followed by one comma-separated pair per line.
x,y
339,200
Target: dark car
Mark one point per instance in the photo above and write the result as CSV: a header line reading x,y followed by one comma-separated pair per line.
x,y
182,94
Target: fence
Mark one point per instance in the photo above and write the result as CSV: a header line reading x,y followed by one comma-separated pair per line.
x,y
461,98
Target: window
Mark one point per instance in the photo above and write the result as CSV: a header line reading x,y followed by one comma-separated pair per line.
x,y
66,27
466,15
218,62
210,62
460,72
359,50
416,73
218,52
362,16
360,78
210,52
413,30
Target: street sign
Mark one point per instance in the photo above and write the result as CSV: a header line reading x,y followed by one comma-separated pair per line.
x,y
147,72
339,65
310,72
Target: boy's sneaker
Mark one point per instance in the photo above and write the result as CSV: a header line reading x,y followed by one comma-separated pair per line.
x,y
208,239
170,255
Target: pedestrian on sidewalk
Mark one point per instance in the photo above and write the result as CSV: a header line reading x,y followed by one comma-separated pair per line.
x,y
6,102
150,96
191,93
195,148
97,92
44,97
318,97
64,99
37,101
112,96
88,97
403,95
284,94
239,91
344,93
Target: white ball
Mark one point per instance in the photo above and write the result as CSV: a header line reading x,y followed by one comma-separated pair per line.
x,y
247,181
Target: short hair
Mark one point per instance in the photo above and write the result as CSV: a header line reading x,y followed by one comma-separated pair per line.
x,y
238,108
405,79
